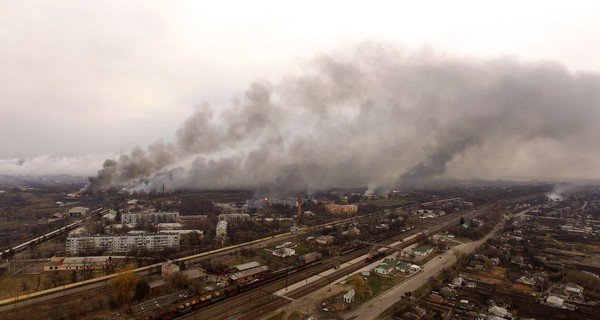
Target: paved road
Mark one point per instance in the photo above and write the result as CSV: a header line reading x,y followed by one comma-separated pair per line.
x,y
373,308
78,287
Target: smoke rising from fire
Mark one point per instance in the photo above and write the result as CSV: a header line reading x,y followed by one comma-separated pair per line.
x,y
377,115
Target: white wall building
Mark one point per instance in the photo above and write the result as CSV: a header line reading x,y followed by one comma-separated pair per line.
x,y
221,230
153,217
168,226
283,252
78,211
234,217
122,243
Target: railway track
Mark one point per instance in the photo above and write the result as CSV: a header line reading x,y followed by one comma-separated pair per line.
x,y
238,305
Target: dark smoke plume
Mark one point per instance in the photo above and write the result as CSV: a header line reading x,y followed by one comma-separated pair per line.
x,y
381,117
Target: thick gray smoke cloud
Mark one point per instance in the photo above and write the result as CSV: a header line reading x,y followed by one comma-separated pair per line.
x,y
382,117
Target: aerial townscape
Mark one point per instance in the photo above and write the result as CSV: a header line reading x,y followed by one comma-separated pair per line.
x,y
496,251
313,160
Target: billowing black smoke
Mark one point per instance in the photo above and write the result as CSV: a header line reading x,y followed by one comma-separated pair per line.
x,y
381,117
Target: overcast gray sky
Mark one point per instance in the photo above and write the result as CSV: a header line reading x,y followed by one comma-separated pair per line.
x,y
81,81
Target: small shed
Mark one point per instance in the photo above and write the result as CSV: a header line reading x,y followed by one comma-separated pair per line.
x,y
349,296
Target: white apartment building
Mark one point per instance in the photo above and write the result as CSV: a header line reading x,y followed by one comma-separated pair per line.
x,y
122,243
234,217
153,217
221,230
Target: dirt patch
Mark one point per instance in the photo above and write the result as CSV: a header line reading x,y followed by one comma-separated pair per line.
x,y
524,288
565,252
312,303
493,275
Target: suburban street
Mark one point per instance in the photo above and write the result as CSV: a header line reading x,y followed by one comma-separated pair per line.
x,y
375,307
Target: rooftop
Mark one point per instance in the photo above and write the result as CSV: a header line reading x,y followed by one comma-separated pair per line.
x,y
248,265
248,272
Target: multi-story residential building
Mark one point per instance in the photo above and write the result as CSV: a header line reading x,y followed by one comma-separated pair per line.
x,y
288,201
121,243
227,207
234,217
221,230
341,208
153,217
168,226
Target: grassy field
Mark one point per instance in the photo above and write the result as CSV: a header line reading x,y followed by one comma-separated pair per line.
x,y
378,284
279,316
18,284
493,275
302,250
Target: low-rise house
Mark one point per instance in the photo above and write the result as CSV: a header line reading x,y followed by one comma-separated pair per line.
x,y
448,292
249,274
414,268
246,266
559,291
498,311
387,267
555,301
457,282
78,211
325,239
574,288
77,263
55,217
423,250
168,268
284,252
109,215
349,296
351,231
530,281
403,266
518,260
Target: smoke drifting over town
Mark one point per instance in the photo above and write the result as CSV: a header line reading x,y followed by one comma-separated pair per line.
x,y
379,116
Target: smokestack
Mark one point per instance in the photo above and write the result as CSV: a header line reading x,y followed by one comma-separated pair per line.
x,y
299,206
163,188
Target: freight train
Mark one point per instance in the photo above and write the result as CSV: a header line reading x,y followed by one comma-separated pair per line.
x,y
374,255
216,296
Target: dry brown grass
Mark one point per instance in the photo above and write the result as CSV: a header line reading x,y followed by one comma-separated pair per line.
x,y
524,288
565,252
493,275
11,285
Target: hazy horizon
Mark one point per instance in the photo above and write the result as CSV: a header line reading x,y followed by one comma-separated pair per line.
x,y
284,97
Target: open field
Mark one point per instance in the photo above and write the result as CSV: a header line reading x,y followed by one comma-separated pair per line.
x,y
493,275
